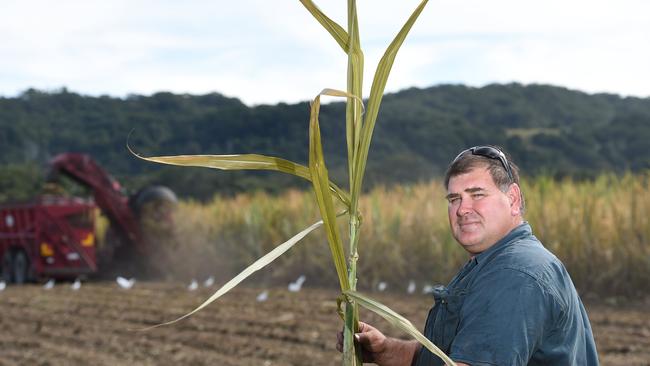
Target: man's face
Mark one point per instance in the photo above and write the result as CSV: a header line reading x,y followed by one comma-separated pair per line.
x,y
479,213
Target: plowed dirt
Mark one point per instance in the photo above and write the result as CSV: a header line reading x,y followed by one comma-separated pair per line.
x,y
92,326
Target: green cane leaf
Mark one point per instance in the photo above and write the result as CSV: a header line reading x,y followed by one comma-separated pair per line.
x,y
353,120
256,266
323,197
339,34
376,95
245,162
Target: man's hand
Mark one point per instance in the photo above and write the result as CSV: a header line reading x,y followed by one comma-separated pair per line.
x,y
382,350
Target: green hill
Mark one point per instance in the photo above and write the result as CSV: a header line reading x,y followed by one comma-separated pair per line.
x,y
547,129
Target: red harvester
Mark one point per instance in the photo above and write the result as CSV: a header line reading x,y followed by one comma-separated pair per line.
x,y
55,236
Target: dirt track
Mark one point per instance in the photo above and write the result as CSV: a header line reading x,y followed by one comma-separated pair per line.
x,y
91,326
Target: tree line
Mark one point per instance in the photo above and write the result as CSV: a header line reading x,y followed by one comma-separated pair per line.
x,y
548,130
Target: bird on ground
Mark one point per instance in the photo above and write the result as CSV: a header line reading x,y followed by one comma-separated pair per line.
x,y
124,283
76,285
208,281
3,285
381,286
411,288
49,284
263,296
296,286
193,285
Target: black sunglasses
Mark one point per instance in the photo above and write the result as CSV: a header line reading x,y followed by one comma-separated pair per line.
x,y
489,152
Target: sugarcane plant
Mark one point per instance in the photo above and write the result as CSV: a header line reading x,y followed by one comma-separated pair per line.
x,y
360,123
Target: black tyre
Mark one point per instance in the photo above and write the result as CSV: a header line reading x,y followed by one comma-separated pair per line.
x,y
7,267
20,267
159,195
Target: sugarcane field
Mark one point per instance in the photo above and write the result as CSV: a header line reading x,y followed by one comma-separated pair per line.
x,y
100,324
286,313
353,182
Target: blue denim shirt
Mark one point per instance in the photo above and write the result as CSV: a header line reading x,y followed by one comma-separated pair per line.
x,y
513,304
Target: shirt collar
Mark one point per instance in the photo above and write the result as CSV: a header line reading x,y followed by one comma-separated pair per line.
x,y
522,229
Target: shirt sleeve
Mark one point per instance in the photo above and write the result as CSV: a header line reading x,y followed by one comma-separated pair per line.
x,y
503,320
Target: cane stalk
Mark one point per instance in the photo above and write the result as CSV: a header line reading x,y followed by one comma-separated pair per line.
x,y
359,129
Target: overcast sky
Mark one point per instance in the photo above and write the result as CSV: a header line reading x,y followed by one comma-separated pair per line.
x,y
267,51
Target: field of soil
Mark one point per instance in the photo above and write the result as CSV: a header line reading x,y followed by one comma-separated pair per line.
x,y
93,326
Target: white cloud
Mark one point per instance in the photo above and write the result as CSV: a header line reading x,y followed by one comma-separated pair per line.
x,y
270,51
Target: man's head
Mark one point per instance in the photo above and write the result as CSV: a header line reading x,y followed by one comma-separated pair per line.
x,y
485,200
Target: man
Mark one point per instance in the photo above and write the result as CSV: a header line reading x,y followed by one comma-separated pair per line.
x,y
513,302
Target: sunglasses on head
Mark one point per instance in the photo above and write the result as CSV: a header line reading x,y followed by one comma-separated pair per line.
x,y
491,153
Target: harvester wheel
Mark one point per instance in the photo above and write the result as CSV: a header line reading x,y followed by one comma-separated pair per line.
x,y
20,267
154,207
7,267
152,194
